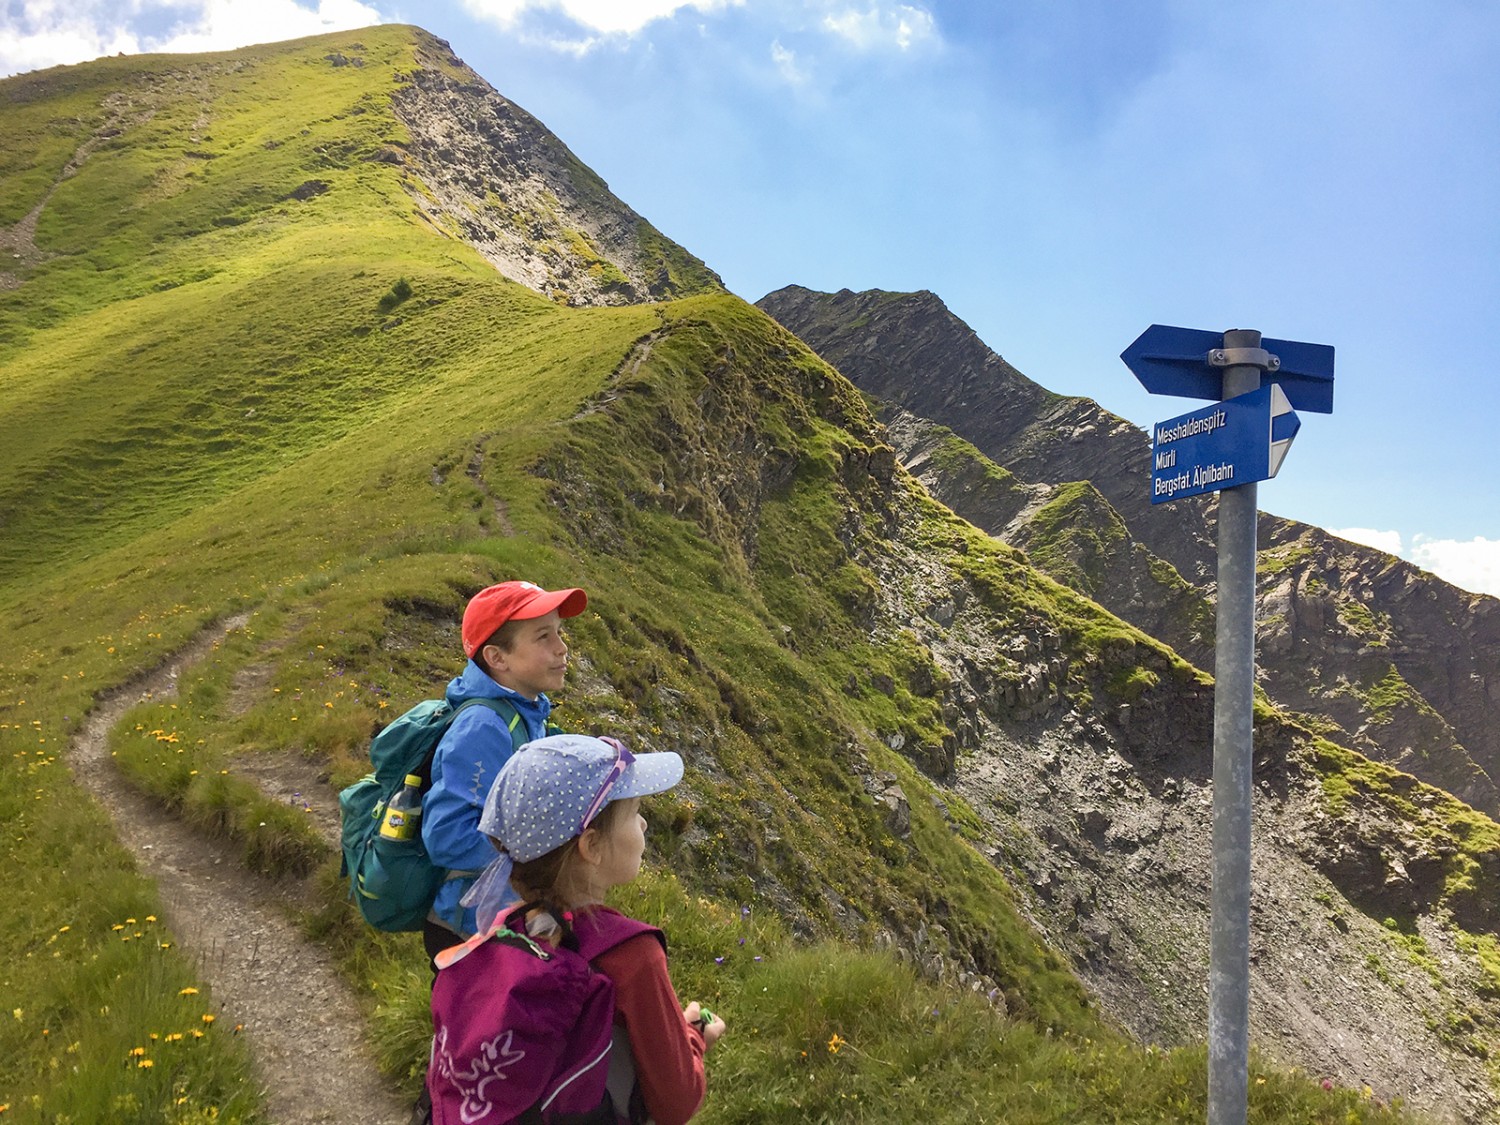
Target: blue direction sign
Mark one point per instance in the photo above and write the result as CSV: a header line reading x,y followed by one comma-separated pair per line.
x,y
1190,362
1234,442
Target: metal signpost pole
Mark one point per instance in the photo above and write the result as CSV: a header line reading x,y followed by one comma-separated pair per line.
x,y
1234,687
1227,448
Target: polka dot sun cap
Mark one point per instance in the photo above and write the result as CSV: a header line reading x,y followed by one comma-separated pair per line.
x,y
548,792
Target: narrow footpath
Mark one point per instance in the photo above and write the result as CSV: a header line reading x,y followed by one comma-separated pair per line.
x,y
304,1027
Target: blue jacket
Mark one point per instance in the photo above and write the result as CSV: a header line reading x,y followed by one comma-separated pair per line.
x,y
463,769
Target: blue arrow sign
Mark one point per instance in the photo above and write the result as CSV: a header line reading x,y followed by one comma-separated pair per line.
x,y
1176,361
1234,442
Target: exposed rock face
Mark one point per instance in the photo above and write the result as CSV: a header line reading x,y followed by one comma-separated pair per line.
x,y
1406,666
487,172
1101,815
909,351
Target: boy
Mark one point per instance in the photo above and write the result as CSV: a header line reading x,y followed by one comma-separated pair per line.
x,y
512,635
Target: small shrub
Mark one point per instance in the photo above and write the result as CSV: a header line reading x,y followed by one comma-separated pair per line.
x,y
397,293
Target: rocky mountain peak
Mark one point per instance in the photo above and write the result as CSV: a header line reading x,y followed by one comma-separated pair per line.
x,y
485,171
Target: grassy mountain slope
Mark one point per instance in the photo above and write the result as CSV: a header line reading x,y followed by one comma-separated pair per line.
x,y
244,372
1068,531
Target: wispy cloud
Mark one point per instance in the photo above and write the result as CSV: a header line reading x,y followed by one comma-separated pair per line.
x,y
40,33
218,25
883,26
1471,564
606,17
787,66
39,36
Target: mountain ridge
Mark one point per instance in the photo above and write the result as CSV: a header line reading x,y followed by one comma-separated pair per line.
x,y
908,350
343,419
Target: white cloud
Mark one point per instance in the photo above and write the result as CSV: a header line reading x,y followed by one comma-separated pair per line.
x,y
65,40
1473,564
1387,541
883,25
221,25
42,33
786,64
607,17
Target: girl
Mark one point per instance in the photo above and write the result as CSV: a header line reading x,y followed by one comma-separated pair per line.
x,y
564,813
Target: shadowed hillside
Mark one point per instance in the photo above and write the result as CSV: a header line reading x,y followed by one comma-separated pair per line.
x,y
289,340
1392,661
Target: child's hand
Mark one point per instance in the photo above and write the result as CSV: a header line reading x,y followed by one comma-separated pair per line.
x,y
705,1021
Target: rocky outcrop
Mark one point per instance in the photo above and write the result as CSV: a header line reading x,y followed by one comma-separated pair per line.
x,y
1070,531
485,171
1405,666
1091,771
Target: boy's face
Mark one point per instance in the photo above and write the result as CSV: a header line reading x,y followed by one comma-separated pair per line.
x,y
537,659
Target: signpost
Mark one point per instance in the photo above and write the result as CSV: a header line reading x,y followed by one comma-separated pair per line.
x,y
1228,448
1189,363
1238,441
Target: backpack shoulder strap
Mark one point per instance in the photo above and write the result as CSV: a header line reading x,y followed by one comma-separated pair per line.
x,y
501,707
599,931
504,707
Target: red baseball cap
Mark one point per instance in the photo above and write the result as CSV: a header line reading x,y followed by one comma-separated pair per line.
x,y
493,606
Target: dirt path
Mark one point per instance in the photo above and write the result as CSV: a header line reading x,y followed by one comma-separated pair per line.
x,y
19,252
303,1025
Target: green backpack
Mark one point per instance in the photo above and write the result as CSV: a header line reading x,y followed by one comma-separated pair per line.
x,y
394,881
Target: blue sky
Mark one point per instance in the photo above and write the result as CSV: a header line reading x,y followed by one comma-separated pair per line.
x,y
1062,173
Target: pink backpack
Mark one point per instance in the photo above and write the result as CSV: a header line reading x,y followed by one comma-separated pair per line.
x,y
522,1029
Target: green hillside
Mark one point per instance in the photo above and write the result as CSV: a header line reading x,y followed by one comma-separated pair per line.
x,y
241,374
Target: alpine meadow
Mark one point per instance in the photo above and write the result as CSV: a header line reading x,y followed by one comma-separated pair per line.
x,y
303,344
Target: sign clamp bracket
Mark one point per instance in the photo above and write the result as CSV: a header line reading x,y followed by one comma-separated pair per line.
x,y
1252,357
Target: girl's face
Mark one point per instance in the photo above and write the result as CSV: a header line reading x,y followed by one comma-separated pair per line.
x,y
620,856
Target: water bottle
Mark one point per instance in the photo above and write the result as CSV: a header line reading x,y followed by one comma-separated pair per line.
x,y
403,816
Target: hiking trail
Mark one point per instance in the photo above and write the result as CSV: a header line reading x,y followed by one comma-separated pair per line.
x,y
305,1029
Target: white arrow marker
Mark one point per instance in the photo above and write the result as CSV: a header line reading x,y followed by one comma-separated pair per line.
x,y
1284,427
